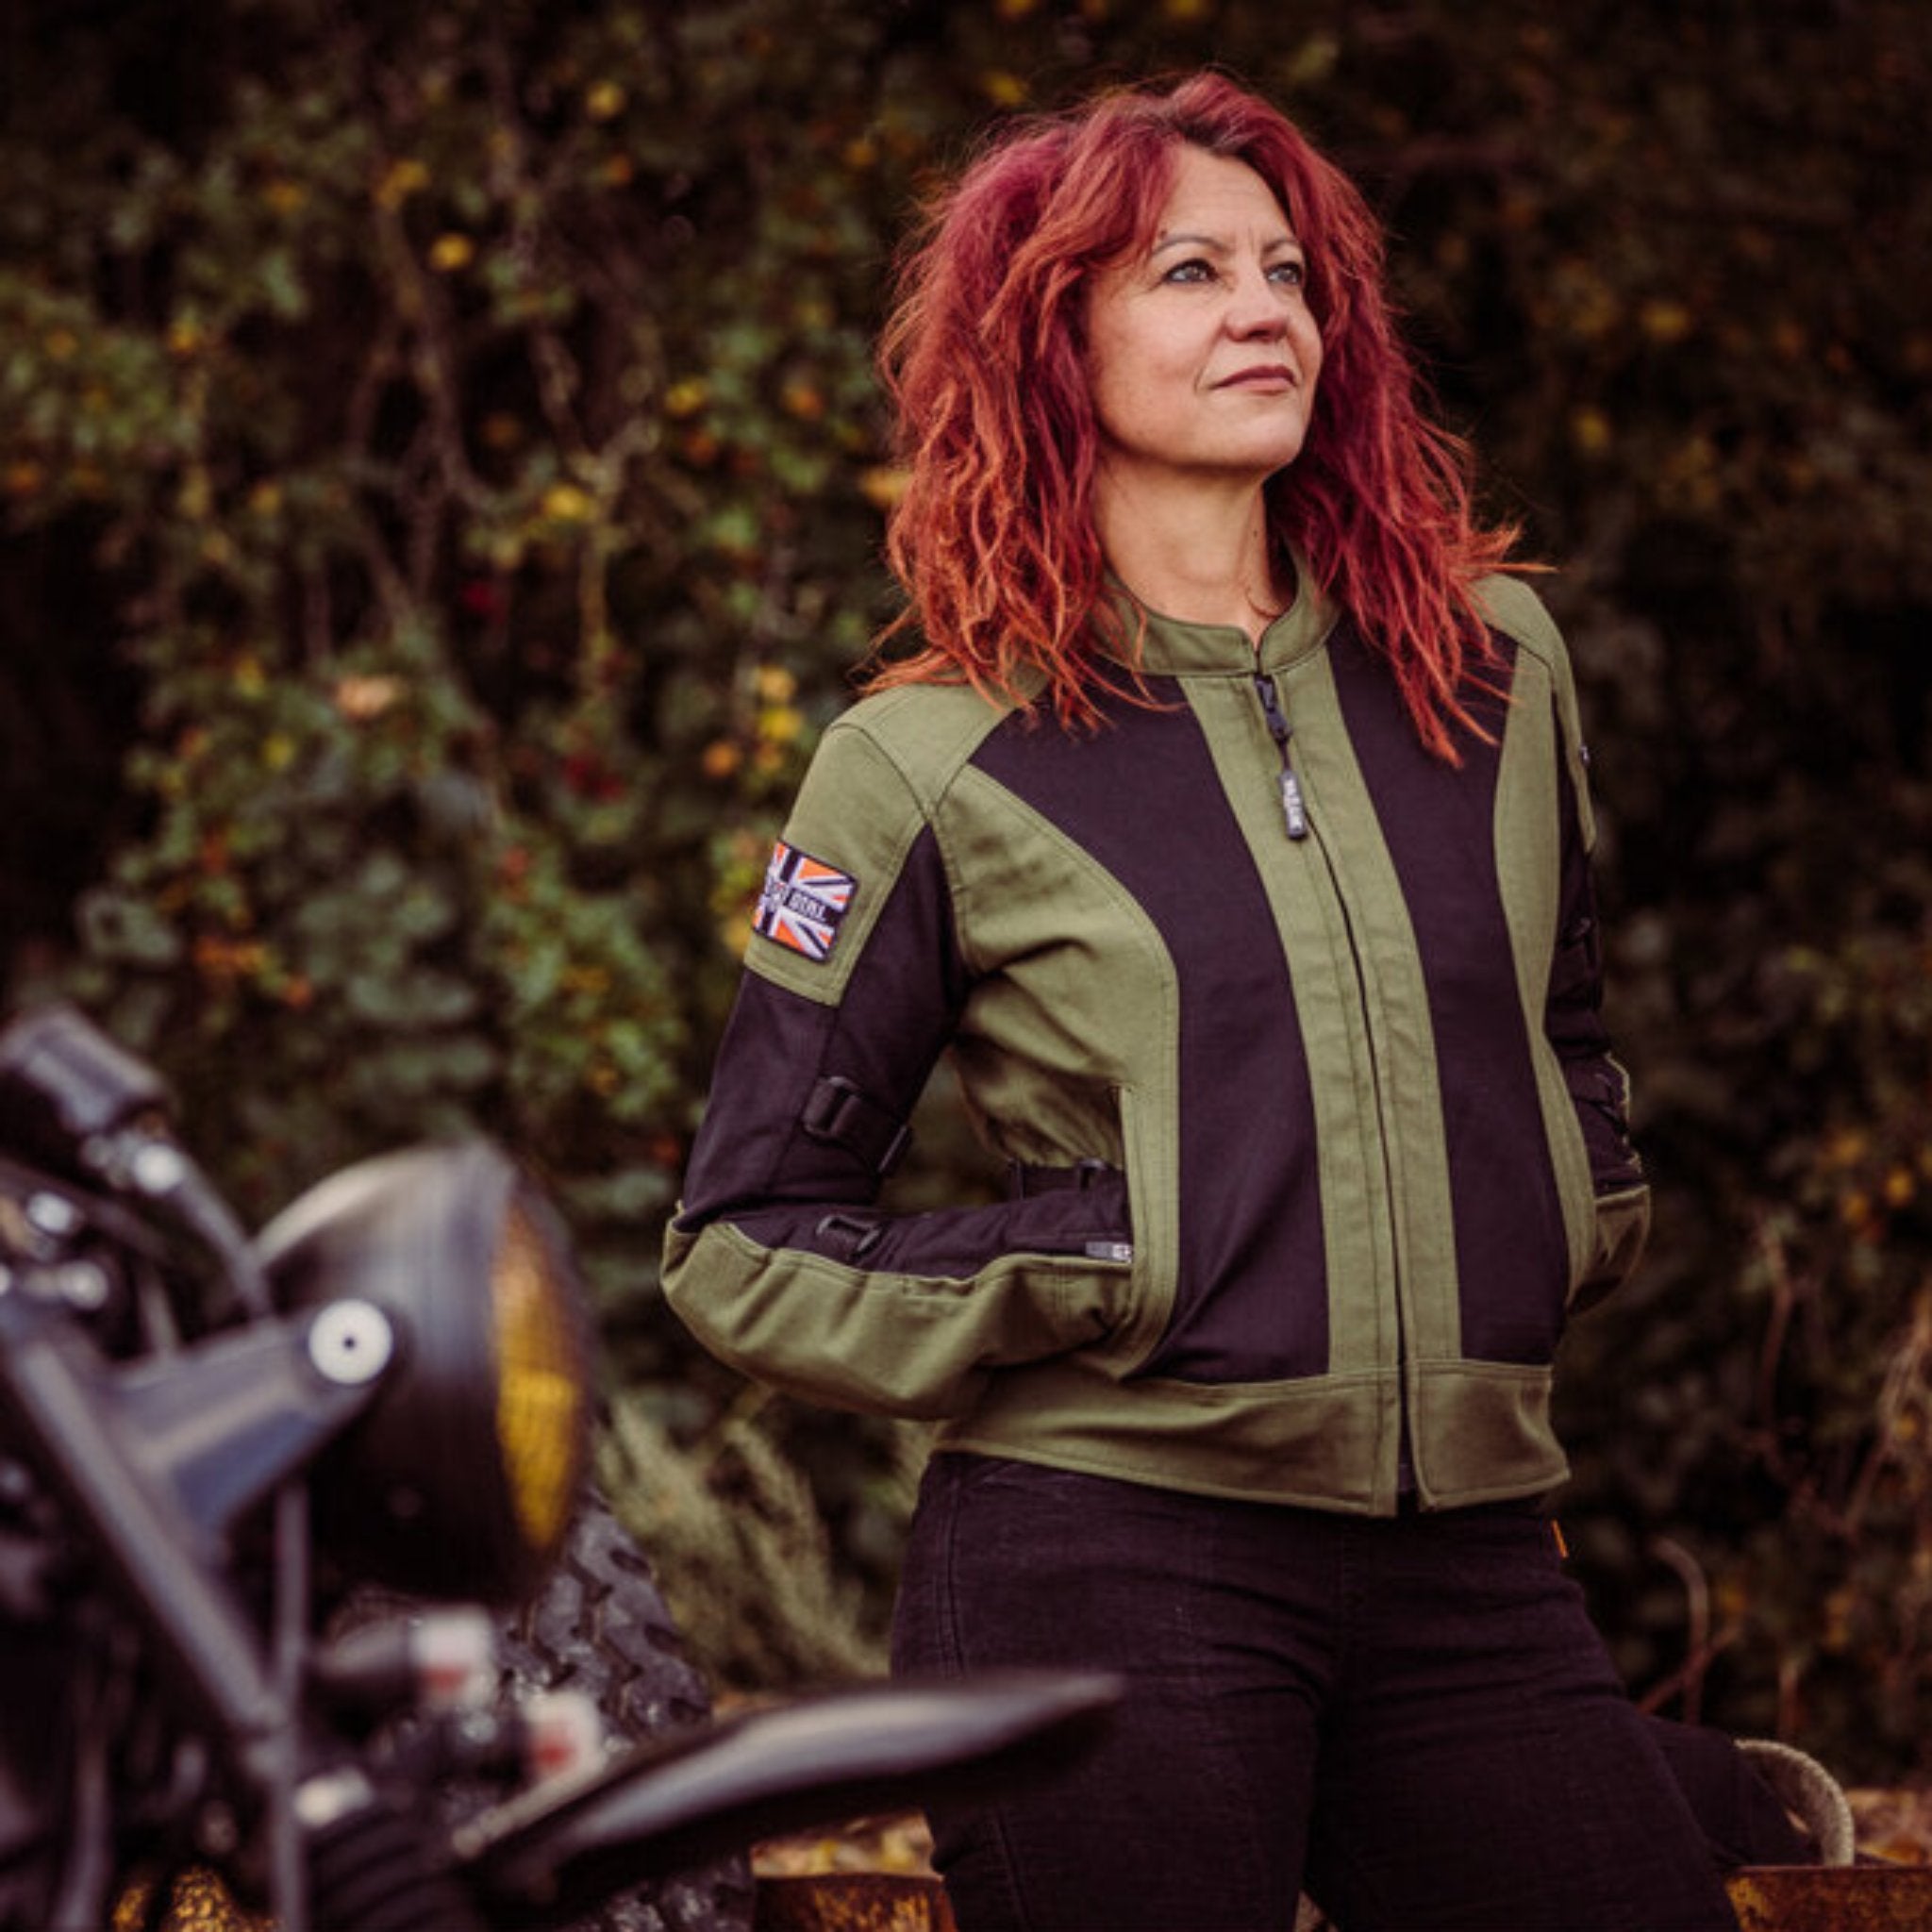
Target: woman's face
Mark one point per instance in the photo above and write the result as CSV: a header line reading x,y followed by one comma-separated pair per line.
x,y
1203,354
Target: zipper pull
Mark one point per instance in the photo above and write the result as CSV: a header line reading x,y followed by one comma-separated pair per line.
x,y
1293,809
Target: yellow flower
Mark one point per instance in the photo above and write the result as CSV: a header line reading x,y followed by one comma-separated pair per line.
x,y
196,495
400,180
450,251
686,397
883,486
1665,322
564,502
605,100
1589,430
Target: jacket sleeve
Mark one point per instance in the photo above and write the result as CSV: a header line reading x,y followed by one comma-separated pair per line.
x,y
1599,1086
779,1259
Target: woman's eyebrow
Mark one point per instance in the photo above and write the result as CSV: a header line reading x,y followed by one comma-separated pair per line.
x,y
1219,244
1185,239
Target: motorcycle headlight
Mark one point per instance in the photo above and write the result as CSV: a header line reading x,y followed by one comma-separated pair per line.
x,y
460,1479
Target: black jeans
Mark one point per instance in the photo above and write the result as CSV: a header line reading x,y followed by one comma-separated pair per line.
x,y
1410,1717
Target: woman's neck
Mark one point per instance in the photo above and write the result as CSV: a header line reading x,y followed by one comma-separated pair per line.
x,y
1200,554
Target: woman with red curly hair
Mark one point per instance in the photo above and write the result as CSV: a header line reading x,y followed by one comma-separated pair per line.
x,y
1218,807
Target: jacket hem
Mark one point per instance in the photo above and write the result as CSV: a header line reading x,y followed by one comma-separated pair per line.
x,y
1481,1433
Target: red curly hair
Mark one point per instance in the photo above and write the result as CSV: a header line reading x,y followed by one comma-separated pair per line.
x,y
984,358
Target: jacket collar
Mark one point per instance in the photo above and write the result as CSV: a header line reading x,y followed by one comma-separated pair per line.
x,y
1170,646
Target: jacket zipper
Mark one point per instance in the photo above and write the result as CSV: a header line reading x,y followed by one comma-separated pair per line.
x,y
1293,810
1295,816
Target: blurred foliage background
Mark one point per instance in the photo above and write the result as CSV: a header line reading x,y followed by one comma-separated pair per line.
x,y
440,480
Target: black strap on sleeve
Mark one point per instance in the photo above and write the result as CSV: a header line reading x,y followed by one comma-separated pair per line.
x,y
849,1236
837,1113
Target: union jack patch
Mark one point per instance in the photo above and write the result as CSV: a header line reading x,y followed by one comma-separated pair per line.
x,y
802,902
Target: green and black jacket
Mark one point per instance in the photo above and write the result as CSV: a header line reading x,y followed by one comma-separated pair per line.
x,y
1288,1030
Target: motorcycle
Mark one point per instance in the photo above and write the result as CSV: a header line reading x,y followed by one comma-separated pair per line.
x,y
268,1507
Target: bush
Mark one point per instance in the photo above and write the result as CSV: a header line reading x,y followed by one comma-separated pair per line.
x,y
442,482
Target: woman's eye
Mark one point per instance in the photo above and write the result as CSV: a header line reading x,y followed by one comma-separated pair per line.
x,y
1284,275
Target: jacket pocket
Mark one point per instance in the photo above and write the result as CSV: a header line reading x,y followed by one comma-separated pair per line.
x,y
1079,1213
1622,1229
887,1338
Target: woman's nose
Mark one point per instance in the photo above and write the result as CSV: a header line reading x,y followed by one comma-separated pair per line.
x,y
1255,309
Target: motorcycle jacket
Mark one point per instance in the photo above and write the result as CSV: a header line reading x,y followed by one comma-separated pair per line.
x,y
1287,1030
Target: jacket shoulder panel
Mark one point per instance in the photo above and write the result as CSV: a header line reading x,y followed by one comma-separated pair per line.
x,y
927,732
874,786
